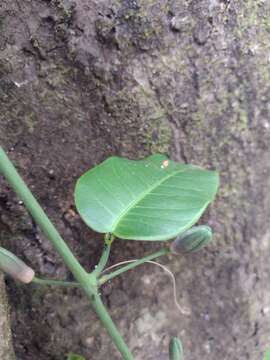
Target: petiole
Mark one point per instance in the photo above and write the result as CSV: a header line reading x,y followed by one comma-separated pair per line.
x,y
107,277
55,282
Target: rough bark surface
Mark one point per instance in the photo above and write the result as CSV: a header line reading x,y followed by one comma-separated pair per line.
x,y
6,348
82,80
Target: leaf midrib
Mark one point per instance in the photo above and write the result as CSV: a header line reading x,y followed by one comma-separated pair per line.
x,y
144,193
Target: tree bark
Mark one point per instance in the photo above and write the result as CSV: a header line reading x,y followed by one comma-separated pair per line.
x,y
6,348
84,80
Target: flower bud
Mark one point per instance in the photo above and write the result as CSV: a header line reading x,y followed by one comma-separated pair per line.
x,y
176,349
15,267
267,354
192,240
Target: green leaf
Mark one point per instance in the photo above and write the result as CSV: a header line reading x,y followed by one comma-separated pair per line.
x,y
72,356
267,355
151,199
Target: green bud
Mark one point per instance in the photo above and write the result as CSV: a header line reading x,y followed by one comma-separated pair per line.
x,y
267,354
192,240
176,349
15,267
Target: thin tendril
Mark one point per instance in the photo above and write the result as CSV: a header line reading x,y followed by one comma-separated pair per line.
x,y
183,310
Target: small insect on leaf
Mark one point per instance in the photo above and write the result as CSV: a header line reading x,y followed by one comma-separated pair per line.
x,y
165,164
13,266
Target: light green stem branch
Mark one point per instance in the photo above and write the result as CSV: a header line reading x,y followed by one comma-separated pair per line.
x,y
87,281
125,268
107,322
39,281
103,260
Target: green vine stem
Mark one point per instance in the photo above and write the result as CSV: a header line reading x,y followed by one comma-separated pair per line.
x,y
125,268
87,281
99,270
49,282
103,260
